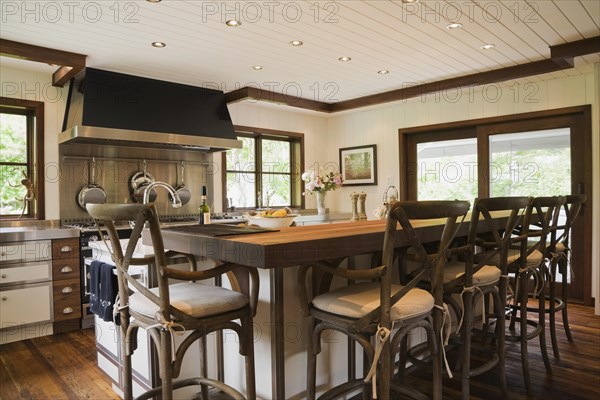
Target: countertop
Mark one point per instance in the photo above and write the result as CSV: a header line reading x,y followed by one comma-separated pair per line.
x,y
43,230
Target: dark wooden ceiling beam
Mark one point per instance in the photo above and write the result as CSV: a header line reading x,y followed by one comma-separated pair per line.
x,y
257,94
577,48
69,63
562,57
236,95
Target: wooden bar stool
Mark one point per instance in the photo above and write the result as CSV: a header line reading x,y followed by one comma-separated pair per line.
x,y
367,310
558,253
527,263
174,309
475,281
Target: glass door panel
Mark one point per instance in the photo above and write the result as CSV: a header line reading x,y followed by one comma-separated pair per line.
x,y
447,170
530,163
536,163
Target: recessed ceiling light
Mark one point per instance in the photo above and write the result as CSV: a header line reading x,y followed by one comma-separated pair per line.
x,y
233,22
454,26
153,1
410,1
296,43
383,71
257,67
487,46
344,59
159,44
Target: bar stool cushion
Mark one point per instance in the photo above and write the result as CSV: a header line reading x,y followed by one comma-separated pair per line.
x,y
354,301
533,260
486,275
192,298
560,247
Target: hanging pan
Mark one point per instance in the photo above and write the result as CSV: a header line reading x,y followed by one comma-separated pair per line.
x,y
184,193
91,193
138,183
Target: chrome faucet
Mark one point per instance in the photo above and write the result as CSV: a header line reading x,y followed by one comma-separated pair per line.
x,y
175,200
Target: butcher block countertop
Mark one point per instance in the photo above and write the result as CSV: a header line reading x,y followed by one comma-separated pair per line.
x,y
293,245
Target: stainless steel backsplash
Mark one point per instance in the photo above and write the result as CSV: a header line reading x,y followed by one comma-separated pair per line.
x,y
115,168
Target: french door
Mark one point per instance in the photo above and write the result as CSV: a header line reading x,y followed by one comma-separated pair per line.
x,y
535,154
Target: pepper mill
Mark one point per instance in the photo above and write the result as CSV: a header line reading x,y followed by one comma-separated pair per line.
x,y
362,215
354,197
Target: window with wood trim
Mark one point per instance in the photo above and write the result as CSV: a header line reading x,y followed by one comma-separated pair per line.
x,y
21,159
527,156
266,171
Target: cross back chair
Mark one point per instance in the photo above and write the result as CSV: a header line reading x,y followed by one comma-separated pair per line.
x,y
527,263
558,253
480,277
167,310
370,309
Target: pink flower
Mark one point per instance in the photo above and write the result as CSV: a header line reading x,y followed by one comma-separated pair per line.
x,y
321,183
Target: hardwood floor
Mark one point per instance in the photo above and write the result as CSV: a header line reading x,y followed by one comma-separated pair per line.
x,y
63,366
576,376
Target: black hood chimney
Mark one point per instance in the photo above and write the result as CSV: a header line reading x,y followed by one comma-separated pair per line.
x,y
124,110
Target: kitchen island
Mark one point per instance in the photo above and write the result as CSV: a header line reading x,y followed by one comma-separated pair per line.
x,y
280,333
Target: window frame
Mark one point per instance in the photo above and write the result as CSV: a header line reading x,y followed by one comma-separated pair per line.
x,y
296,141
34,110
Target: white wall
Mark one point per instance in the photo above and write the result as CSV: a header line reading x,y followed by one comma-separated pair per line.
x,y
37,86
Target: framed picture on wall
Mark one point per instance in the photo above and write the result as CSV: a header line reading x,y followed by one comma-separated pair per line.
x,y
359,165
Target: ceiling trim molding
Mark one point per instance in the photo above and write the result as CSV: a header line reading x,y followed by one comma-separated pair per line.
x,y
561,57
70,64
248,92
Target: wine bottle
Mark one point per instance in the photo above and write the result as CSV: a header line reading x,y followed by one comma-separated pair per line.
x,y
204,209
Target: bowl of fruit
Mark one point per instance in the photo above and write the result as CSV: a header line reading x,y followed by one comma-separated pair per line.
x,y
271,218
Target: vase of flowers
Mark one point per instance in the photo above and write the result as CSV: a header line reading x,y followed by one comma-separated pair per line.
x,y
320,185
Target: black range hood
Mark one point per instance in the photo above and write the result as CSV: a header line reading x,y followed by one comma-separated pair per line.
x,y
112,109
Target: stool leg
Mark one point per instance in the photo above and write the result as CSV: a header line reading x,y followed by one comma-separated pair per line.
x,y
542,323
466,329
249,358
126,354
565,297
499,303
402,359
166,372
552,308
523,283
203,367
311,358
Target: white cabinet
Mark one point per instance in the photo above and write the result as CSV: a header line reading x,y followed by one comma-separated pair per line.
x,y
25,287
28,304
27,251
19,273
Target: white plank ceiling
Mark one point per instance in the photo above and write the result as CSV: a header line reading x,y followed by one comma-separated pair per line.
x,y
410,40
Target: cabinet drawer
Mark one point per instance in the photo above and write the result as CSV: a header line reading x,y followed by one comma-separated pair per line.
x,y
12,274
66,269
65,248
67,299
34,250
25,305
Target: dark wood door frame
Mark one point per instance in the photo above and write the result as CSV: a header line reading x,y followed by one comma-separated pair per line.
x,y
577,118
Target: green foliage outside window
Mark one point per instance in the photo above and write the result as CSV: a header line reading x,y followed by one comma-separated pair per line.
x,y
260,174
13,159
